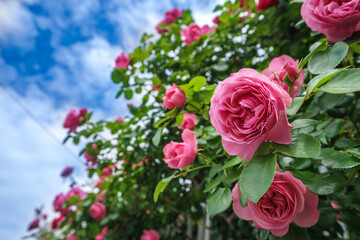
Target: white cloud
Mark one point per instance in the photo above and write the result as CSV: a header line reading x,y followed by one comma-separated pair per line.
x,y
17,24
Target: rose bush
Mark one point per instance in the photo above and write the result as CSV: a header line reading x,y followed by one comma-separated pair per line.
x,y
231,88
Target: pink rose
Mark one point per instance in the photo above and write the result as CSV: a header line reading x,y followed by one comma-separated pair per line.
x,y
179,155
338,20
287,200
188,121
107,171
72,120
99,237
76,191
150,235
265,4
56,222
193,32
247,109
174,96
122,61
98,211
216,20
72,237
170,17
66,171
34,224
59,200
281,66
120,119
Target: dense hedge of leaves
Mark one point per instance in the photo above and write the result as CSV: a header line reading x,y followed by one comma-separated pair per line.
x,y
141,192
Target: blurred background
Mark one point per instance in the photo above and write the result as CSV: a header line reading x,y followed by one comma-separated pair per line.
x,y
55,56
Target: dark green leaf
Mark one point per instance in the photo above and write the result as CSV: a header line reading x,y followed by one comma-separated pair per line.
x,y
302,146
219,201
326,60
257,177
233,162
325,184
295,106
335,159
301,123
346,81
321,79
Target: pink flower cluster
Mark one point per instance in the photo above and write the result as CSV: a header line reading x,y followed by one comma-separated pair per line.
x,y
287,200
193,32
74,118
170,17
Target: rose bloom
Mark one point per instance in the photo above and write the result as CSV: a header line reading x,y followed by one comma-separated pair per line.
x,y
170,17
120,119
281,66
56,222
287,200
34,224
265,4
174,96
247,109
122,61
193,32
99,237
179,155
338,20
59,200
157,86
72,120
98,211
66,171
188,121
107,171
76,191
150,235
72,237
216,20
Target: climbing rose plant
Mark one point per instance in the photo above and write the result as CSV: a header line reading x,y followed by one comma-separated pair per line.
x,y
247,129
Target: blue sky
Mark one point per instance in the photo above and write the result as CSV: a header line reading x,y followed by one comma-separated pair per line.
x,y
54,56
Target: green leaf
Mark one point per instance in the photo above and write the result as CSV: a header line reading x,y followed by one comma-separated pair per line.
x,y
233,162
321,79
179,119
318,46
301,123
214,183
346,81
197,83
257,177
295,106
302,146
157,137
219,201
220,67
162,184
128,94
354,151
334,159
161,121
325,184
214,169
326,60
172,112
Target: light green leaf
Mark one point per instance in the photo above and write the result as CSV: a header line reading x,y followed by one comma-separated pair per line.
x,y
179,119
321,79
157,137
220,67
214,183
301,123
219,201
295,106
257,177
347,81
197,83
172,112
318,46
326,60
233,162
162,184
335,159
302,146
